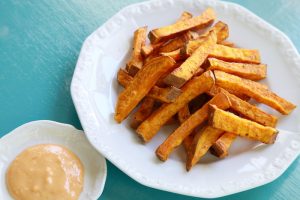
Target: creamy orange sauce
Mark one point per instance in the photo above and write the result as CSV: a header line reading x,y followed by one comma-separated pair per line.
x,y
45,171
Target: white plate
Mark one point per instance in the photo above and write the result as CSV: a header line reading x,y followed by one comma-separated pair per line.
x,y
49,132
94,90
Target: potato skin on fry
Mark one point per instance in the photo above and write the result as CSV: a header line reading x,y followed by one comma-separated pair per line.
x,y
166,95
141,84
182,74
203,140
193,88
171,31
229,122
186,128
136,61
249,71
253,89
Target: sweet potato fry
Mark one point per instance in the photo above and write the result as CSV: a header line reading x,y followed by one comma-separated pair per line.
x,y
250,111
229,122
171,31
221,31
166,95
143,112
249,71
184,114
216,89
191,89
227,43
173,54
178,42
185,129
221,146
203,140
182,74
254,90
235,54
141,84
136,61
148,49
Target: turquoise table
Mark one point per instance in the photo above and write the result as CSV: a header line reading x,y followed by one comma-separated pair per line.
x,y
39,45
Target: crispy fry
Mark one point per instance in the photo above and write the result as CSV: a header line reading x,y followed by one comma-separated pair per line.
x,y
249,71
171,31
235,54
141,84
227,43
221,31
166,95
203,140
193,88
184,114
173,54
216,89
182,74
185,129
136,61
143,112
221,146
178,42
148,49
229,122
254,90
250,111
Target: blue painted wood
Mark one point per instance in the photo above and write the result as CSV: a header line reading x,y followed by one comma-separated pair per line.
x,y
39,45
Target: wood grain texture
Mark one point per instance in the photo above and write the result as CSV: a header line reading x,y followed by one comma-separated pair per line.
x,y
39,45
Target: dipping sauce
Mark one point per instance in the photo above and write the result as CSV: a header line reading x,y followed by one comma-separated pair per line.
x,y
45,171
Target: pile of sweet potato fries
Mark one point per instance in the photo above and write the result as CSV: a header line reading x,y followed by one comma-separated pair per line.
x,y
192,75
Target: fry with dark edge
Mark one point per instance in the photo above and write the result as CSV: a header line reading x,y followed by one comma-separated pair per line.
x,y
203,140
229,122
166,95
221,146
182,74
141,84
249,71
185,129
190,90
136,61
254,90
171,31
143,112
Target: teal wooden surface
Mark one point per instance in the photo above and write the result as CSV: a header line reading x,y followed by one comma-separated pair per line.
x,y
39,45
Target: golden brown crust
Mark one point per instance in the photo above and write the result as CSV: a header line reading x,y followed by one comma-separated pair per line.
x,y
229,122
193,88
186,128
216,89
141,84
249,71
182,74
171,31
253,89
166,95
227,43
136,61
